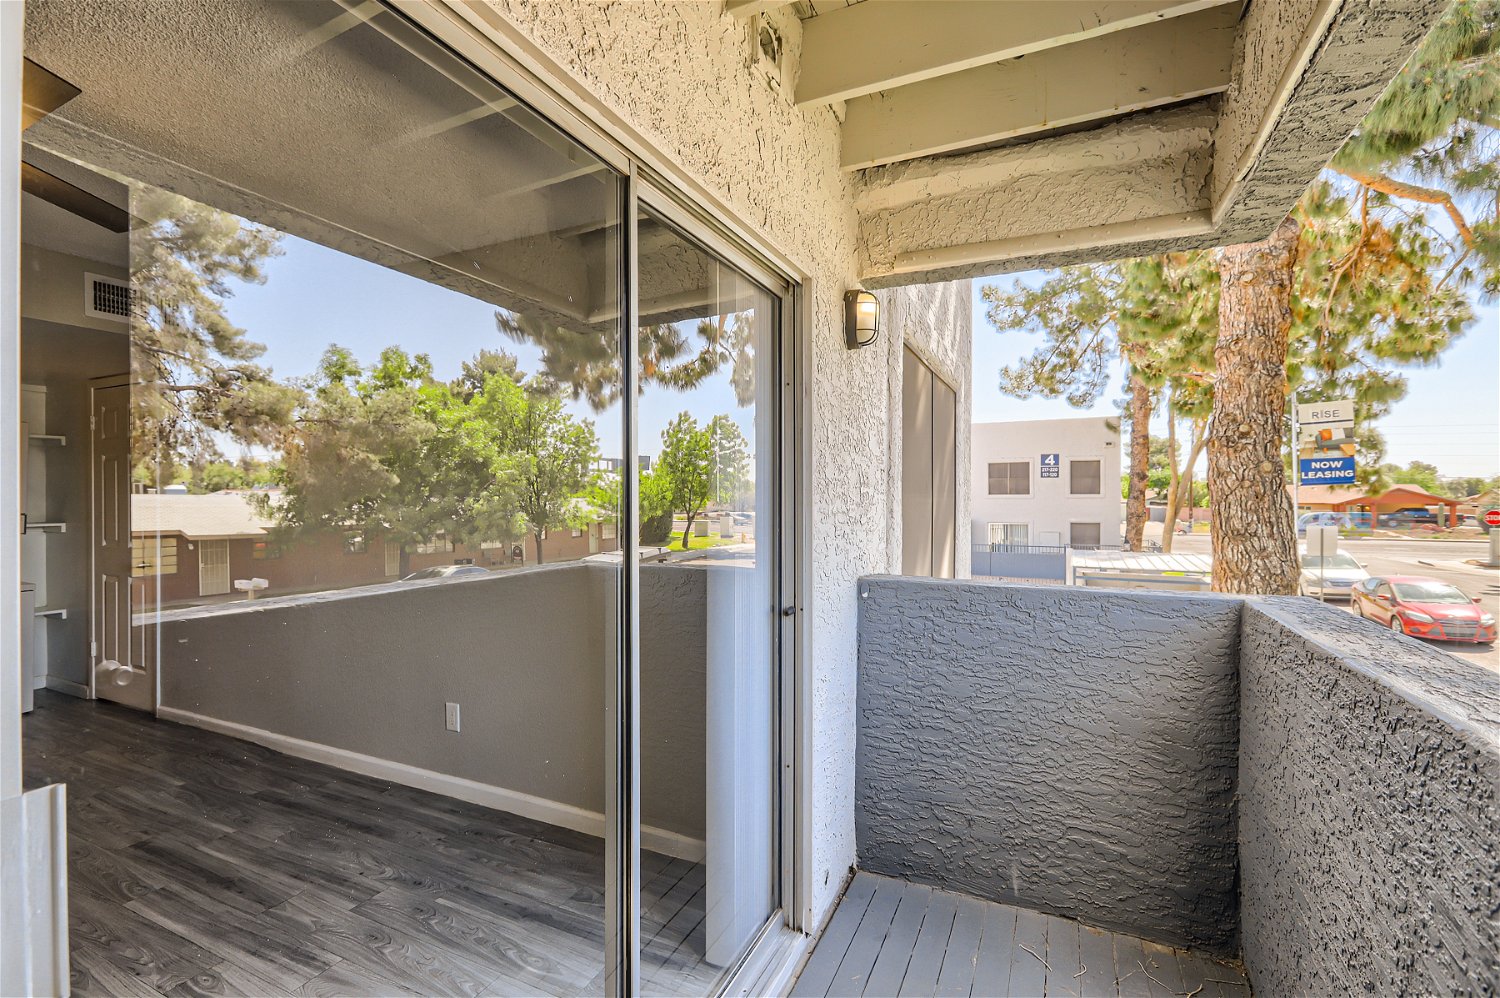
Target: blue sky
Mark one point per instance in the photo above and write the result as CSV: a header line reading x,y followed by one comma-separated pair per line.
x,y
314,296
1450,416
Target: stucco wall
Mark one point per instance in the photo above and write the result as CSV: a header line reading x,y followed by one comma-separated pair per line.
x,y
680,73
1368,809
1063,749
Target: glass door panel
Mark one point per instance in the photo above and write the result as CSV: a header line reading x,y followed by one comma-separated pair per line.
x,y
707,441
367,309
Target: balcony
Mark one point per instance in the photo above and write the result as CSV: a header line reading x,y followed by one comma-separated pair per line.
x,y
1198,782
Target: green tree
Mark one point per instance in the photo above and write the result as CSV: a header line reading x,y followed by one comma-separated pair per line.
x,y
394,451
1143,313
731,461
197,370
1470,486
686,465
1419,473
1435,124
585,362
554,455
654,504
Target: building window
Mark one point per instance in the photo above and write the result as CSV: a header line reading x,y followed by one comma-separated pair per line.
x,y
1084,477
355,543
1010,533
438,545
607,530
153,556
1010,478
265,551
577,531
1084,535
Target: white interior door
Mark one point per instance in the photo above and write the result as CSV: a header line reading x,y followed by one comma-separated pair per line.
x,y
213,568
117,673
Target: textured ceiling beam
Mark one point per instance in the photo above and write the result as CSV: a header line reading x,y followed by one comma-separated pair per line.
x,y
749,8
1145,67
1150,135
869,47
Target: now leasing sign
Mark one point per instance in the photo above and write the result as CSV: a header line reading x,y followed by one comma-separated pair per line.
x,y
1325,443
1327,470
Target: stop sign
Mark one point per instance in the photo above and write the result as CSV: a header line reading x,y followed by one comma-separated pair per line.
x,y
1492,517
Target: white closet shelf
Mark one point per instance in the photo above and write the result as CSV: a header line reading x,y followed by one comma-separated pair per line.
x,y
58,526
61,613
48,438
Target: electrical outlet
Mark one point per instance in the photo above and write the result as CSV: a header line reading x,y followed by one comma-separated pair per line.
x,y
451,717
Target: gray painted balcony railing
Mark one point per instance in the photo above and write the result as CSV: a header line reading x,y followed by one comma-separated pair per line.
x,y
1271,779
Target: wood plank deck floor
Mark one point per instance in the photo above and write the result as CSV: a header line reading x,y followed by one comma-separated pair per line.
x,y
202,864
892,938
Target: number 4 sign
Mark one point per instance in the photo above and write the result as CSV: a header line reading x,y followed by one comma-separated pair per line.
x,y
1050,466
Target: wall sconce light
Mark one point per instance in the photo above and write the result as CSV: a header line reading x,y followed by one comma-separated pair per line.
x,y
861,319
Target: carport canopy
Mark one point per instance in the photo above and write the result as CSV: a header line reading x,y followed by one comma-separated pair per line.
x,y
1400,497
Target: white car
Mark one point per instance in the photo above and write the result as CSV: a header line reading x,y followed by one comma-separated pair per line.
x,y
1334,578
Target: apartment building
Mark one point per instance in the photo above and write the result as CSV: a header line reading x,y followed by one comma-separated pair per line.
x,y
1047,482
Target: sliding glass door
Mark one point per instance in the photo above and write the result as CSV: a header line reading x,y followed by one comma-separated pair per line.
x,y
707,514
336,329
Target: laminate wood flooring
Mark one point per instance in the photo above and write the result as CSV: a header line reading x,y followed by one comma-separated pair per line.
x,y
200,864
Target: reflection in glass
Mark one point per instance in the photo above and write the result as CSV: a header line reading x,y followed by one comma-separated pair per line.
x,y
346,390
706,511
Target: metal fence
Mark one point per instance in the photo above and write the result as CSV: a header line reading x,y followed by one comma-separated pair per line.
x,y
1028,561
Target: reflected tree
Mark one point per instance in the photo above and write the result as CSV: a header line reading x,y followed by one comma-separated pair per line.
x,y
394,451
686,464
197,371
585,364
731,461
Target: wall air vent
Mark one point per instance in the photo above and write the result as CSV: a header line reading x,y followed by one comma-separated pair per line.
x,y
106,298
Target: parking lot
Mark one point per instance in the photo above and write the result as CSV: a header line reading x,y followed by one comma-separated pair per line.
x,y
1447,561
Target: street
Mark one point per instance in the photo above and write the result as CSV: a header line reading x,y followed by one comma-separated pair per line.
x,y
1442,560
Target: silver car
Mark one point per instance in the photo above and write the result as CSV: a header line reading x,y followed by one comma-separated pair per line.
x,y
1331,576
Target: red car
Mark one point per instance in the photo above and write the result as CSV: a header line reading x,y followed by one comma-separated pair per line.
x,y
1423,608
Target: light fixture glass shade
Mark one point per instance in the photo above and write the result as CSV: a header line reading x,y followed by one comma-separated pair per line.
x,y
861,318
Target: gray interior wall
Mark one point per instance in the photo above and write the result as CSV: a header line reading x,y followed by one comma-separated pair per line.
x,y
1368,777
1063,749
64,358
525,654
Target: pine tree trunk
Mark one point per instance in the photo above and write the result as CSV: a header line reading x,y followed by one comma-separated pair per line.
x,y
537,534
1174,483
1254,531
1140,458
1181,491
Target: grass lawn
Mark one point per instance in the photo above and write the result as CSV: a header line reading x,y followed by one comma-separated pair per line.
x,y
696,543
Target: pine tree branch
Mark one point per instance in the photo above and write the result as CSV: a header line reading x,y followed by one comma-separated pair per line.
x,y
1413,192
1345,264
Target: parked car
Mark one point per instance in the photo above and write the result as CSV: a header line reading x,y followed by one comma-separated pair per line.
x,y
1323,518
1411,516
445,572
1331,575
1424,608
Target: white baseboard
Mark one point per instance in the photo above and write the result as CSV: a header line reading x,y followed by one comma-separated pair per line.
x,y
552,812
67,686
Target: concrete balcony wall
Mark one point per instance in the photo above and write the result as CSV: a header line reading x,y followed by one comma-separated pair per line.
x,y
1081,752
1368,781
1053,747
